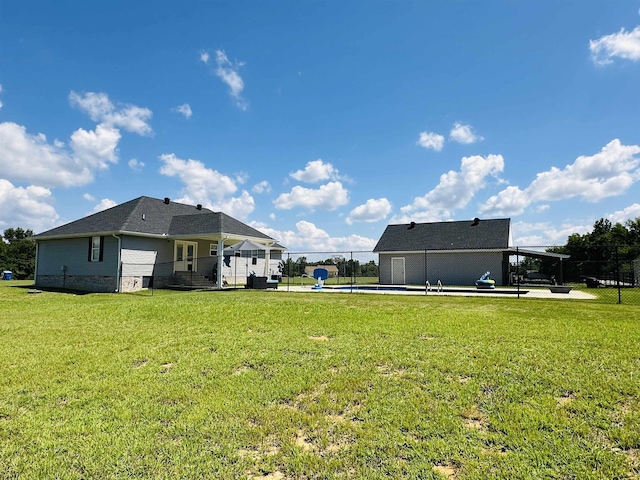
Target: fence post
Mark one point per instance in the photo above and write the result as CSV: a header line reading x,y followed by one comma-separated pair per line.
x,y
352,273
618,276
518,270
288,270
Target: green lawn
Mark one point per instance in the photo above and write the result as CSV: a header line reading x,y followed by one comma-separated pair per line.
x,y
276,385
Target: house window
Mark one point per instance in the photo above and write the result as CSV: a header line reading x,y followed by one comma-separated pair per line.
x,y
213,249
254,261
96,249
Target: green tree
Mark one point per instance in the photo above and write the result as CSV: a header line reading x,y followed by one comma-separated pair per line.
x,y
606,250
370,269
18,253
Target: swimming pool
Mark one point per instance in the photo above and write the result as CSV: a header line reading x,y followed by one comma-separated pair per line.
x,y
416,289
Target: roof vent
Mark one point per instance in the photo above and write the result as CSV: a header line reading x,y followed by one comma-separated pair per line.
x,y
166,200
199,206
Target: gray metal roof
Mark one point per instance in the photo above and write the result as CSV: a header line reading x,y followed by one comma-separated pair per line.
x,y
152,216
527,252
460,235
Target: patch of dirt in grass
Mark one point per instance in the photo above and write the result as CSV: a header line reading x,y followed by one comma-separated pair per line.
x,y
390,371
475,419
140,363
446,470
240,370
166,367
320,338
288,406
255,453
301,441
565,399
426,337
277,475
463,380
632,456
336,418
312,395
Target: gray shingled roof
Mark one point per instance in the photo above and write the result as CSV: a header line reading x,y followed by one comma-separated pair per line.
x,y
445,236
151,216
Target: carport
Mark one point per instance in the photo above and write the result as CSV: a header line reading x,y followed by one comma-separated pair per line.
x,y
539,254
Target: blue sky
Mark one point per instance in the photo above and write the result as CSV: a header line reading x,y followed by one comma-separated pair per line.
x,y
320,122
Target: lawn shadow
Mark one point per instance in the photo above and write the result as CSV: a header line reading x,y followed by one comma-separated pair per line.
x,y
67,291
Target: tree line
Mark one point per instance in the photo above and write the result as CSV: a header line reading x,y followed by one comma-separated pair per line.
x,y
608,251
346,267
18,253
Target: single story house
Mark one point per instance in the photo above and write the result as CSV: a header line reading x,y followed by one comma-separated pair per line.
x,y
146,242
454,253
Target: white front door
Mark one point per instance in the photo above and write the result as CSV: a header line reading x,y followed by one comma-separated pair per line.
x,y
186,256
397,271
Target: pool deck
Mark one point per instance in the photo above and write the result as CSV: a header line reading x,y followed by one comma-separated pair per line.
x,y
455,291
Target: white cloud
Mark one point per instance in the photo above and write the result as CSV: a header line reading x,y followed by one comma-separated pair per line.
x,y
201,182
327,197
0,92
623,44
455,190
629,213
316,171
184,109
608,173
204,56
309,238
545,234
135,165
206,186
549,234
242,177
31,158
96,148
261,187
104,204
238,207
431,140
511,201
27,208
372,211
88,197
100,109
463,134
228,73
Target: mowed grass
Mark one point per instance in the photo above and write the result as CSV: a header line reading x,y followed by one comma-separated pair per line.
x,y
276,385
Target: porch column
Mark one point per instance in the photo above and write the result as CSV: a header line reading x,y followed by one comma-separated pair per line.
x,y
267,260
220,263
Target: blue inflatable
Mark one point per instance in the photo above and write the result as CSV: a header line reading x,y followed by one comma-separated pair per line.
x,y
485,282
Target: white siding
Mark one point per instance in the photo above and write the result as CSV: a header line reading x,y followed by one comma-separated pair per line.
x,y
138,262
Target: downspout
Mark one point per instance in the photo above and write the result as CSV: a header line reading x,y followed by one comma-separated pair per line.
x,y
119,260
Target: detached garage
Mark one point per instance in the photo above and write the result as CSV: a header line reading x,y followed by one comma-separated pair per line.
x,y
456,253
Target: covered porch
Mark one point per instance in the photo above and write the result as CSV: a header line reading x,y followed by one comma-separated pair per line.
x,y
216,261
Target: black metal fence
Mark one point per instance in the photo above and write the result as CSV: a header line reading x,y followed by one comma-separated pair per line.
x,y
603,273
